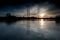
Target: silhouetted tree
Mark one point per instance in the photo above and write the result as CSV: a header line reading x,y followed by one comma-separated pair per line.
x,y
8,14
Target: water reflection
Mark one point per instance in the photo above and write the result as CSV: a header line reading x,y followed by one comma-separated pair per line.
x,y
46,29
41,22
30,30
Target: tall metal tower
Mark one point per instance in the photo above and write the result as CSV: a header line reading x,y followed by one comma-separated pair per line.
x,y
28,24
28,12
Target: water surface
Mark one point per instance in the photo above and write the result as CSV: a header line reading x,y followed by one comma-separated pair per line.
x,y
30,30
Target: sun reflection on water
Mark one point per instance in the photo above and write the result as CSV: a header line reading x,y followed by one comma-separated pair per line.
x,y
42,23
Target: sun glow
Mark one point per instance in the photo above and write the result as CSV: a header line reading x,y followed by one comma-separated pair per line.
x,y
42,15
43,12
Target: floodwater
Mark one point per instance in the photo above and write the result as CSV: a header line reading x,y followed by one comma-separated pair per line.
x,y
30,30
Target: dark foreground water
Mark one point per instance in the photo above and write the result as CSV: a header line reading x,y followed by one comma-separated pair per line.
x,y
30,30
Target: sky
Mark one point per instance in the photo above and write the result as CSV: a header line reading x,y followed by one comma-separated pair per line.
x,y
19,8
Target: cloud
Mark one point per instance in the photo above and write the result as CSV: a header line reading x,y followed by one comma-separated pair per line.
x,y
34,9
